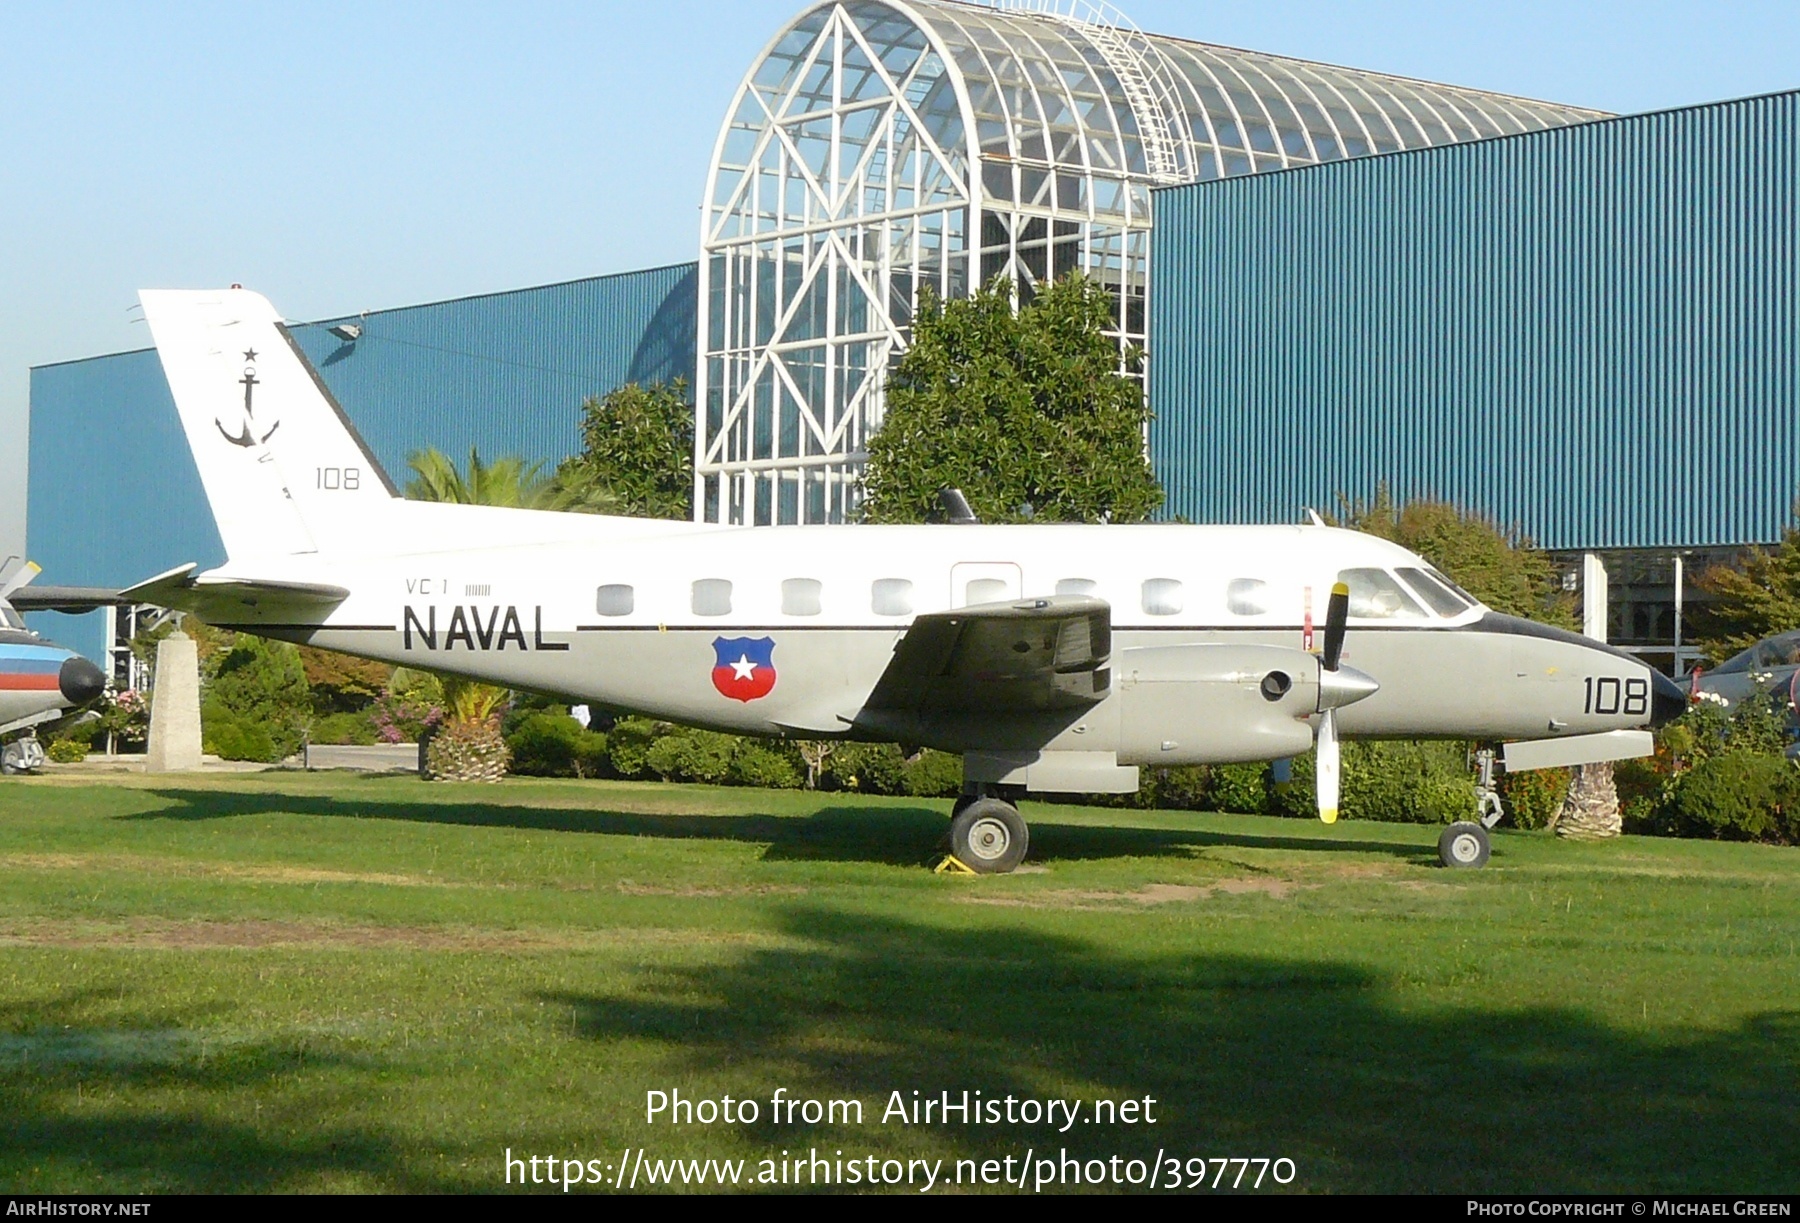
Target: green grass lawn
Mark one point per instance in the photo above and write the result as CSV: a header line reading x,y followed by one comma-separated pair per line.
x,y
321,982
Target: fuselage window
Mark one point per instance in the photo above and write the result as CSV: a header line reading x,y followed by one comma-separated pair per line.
x,y
1162,596
1443,600
1077,586
1376,594
891,597
712,597
615,600
984,590
800,596
1247,597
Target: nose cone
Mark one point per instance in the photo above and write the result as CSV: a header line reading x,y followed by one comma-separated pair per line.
x,y
80,681
1667,700
1344,686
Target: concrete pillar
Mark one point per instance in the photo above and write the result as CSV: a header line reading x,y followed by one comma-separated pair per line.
x,y
175,706
1593,596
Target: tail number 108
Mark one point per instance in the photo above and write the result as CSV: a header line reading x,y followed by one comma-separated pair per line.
x,y
337,479
1608,694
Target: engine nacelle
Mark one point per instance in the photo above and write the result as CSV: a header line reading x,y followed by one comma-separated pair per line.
x,y
1215,704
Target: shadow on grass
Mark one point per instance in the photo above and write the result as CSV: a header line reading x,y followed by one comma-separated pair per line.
x,y
1245,1055
876,833
123,1106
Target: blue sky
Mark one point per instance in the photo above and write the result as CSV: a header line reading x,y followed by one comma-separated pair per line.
x,y
361,155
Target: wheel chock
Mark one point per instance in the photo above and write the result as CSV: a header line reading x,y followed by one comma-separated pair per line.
x,y
951,865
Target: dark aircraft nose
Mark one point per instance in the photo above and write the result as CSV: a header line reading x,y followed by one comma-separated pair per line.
x,y
1668,701
81,681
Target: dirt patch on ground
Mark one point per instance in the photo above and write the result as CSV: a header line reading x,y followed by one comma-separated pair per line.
x,y
150,933
628,888
187,868
1145,897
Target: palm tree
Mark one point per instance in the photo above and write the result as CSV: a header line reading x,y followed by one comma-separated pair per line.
x,y
509,481
469,745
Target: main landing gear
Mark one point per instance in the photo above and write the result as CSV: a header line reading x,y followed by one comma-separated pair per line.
x,y
987,834
1465,843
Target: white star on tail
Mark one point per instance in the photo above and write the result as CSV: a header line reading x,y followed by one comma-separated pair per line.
x,y
743,668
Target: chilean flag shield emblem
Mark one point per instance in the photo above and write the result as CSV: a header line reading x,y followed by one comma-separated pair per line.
x,y
744,669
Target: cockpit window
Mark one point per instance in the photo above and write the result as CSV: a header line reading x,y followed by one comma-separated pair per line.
x,y
1444,601
1376,594
1444,580
1782,651
1737,662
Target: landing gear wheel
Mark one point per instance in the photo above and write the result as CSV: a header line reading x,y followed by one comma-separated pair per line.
x,y
988,836
1463,844
962,804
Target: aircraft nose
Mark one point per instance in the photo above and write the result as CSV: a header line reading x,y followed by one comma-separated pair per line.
x,y
1667,700
80,681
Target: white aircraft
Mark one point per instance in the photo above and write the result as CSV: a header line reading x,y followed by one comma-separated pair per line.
x,y
1053,658
40,682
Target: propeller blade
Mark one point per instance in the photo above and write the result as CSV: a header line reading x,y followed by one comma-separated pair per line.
x,y
1337,615
1325,767
21,578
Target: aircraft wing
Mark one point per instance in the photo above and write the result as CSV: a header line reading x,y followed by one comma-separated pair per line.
x,y
1048,653
223,600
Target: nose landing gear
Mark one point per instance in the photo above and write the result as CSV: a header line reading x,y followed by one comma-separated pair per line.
x,y
1465,843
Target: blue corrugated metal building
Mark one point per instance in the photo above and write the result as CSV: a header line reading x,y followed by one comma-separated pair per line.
x,y
1589,332
504,372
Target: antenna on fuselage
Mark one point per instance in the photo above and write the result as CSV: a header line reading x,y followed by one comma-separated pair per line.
x,y
956,507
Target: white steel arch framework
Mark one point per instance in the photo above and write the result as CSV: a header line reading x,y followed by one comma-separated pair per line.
x,y
880,147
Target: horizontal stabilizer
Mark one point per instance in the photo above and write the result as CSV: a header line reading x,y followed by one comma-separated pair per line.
x,y
72,599
247,601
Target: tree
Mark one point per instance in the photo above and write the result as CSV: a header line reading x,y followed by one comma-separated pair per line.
x,y
637,454
473,747
509,481
1024,410
1756,598
1501,568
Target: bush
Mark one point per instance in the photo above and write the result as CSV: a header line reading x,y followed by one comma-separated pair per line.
x,y
410,708
628,746
1409,782
67,751
227,737
1177,788
546,744
757,763
1737,796
932,774
344,728
1533,798
1241,788
681,754
257,695
871,768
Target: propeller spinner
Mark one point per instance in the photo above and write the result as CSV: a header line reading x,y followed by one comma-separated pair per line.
x,y
1338,686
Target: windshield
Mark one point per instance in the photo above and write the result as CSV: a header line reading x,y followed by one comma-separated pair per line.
x,y
1443,599
1376,594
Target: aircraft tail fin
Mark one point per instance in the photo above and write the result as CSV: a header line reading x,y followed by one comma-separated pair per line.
x,y
284,470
